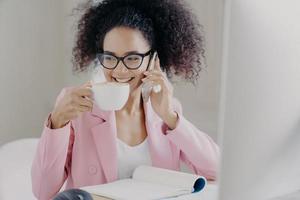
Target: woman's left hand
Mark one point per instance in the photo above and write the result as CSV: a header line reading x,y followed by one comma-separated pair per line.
x,y
162,100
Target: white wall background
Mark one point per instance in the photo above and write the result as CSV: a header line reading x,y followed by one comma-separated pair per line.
x,y
31,71
261,100
36,39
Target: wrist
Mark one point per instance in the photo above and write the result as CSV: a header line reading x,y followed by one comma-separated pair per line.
x,y
56,120
171,120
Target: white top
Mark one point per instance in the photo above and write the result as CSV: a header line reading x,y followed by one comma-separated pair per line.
x,y
130,157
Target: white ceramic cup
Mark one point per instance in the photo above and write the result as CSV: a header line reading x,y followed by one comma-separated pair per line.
x,y
110,95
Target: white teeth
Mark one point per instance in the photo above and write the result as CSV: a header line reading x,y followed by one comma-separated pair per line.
x,y
122,80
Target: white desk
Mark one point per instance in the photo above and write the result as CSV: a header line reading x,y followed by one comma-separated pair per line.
x,y
209,193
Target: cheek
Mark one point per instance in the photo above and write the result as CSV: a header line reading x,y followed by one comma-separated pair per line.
x,y
140,72
107,74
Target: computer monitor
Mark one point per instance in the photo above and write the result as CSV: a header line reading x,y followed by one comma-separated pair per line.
x,y
260,100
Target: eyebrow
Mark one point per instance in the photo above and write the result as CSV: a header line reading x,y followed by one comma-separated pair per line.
x,y
126,53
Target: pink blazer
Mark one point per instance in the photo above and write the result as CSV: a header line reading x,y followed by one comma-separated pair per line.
x,y
84,151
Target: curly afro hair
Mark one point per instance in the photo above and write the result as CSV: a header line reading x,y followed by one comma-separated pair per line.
x,y
169,26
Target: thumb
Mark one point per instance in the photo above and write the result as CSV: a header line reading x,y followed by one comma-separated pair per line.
x,y
87,84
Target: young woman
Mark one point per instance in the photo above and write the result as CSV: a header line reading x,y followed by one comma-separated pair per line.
x,y
84,145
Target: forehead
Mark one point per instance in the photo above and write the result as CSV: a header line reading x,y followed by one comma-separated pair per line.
x,y
121,40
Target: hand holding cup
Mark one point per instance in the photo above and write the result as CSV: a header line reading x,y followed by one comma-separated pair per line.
x,y
73,102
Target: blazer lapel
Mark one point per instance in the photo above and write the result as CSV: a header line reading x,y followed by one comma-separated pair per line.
x,y
105,135
159,146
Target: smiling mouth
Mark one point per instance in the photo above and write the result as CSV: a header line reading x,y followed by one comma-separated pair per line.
x,y
122,80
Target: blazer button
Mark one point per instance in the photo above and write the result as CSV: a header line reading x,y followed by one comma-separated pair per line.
x,y
92,169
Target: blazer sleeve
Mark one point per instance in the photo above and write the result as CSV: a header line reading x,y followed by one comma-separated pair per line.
x,y
52,160
197,149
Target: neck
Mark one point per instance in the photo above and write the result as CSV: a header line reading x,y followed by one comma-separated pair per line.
x,y
134,105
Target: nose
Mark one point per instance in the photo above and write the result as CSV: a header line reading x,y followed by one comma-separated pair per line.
x,y
121,68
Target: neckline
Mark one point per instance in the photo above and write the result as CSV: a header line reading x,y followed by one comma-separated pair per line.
x,y
135,146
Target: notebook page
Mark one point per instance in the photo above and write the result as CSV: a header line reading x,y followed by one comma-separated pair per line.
x,y
210,192
186,181
130,189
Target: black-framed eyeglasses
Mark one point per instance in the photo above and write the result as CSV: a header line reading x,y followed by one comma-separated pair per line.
x,y
131,61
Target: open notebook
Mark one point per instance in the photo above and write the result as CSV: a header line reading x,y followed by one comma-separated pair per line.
x,y
149,182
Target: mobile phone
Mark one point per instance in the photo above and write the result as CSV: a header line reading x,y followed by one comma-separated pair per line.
x,y
147,87
152,62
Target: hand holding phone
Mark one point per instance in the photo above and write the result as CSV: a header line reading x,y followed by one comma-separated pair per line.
x,y
147,87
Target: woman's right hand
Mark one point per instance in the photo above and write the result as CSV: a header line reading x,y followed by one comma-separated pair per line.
x,y
73,102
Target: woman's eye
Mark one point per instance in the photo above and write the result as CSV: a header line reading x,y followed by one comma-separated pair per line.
x,y
108,58
133,58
